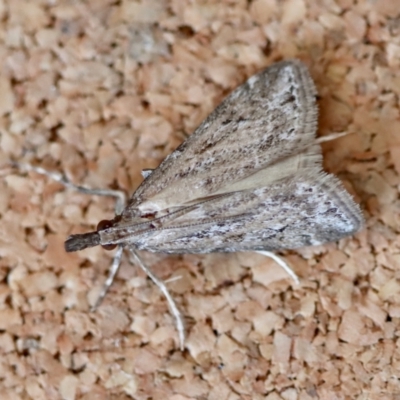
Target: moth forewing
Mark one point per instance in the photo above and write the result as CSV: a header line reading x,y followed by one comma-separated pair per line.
x,y
270,117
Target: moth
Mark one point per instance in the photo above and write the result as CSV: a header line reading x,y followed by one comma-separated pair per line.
x,y
249,178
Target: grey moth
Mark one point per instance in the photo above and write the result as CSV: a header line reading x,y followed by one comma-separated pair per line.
x,y
249,178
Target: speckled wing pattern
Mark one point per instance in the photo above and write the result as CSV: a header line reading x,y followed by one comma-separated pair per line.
x,y
249,178
270,117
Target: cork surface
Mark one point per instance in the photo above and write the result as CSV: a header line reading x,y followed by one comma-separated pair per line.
x,y
100,90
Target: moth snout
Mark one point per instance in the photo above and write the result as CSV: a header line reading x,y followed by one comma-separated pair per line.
x,y
82,241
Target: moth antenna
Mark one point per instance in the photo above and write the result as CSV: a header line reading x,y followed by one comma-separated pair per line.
x,y
82,241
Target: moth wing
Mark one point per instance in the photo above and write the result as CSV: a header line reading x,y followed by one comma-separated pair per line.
x,y
266,119
312,208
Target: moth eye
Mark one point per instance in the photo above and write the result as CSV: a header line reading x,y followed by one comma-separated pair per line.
x,y
104,224
108,246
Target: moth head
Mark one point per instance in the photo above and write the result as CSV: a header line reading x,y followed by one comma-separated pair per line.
x,y
91,239
105,224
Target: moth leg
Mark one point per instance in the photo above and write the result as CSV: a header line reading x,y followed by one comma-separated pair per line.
x,y
171,302
117,194
282,263
110,278
332,136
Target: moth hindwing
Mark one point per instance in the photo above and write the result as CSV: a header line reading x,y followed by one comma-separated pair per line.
x,y
249,178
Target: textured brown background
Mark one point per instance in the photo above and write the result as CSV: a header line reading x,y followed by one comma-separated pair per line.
x,y
102,89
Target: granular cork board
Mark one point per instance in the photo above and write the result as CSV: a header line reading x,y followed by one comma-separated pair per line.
x,y
100,90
